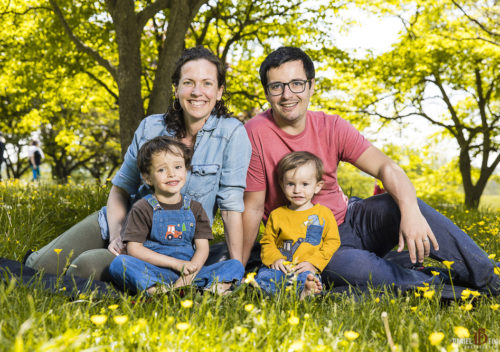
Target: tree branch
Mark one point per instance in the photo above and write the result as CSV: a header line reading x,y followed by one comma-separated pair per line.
x,y
483,27
81,46
104,85
152,9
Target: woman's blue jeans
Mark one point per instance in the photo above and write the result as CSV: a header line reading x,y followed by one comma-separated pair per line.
x,y
371,230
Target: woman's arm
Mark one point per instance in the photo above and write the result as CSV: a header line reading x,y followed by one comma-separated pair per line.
x,y
116,211
233,230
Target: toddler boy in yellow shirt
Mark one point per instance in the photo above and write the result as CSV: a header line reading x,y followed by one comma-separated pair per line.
x,y
301,237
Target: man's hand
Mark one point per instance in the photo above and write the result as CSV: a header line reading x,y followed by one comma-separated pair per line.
x,y
416,232
116,246
278,265
305,266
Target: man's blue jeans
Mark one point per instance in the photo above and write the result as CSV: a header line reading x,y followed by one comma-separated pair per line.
x,y
371,230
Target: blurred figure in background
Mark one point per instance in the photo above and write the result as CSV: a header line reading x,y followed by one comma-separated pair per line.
x,y
35,157
2,149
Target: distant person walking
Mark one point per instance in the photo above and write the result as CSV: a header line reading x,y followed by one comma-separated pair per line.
x,y
35,157
2,149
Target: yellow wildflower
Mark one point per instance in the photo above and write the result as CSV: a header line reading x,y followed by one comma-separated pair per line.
x,y
448,263
120,319
249,307
182,326
297,345
429,294
187,303
475,293
497,270
466,307
435,338
423,289
461,332
113,306
293,320
351,335
250,277
466,293
57,250
417,294
492,256
414,308
98,319
435,273
495,306
377,300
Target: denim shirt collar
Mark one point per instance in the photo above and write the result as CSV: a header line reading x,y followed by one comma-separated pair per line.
x,y
211,123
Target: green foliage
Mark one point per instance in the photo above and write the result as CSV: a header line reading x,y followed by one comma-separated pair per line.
x,y
34,319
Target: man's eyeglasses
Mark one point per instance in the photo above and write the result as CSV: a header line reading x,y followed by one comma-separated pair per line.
x,y
295,86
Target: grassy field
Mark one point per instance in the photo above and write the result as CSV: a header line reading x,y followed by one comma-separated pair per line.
x,y
34,320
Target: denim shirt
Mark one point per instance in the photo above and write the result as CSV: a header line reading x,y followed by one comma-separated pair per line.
x,y
217,178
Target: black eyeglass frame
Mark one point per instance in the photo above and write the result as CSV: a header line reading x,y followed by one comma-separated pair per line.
x,y
283,85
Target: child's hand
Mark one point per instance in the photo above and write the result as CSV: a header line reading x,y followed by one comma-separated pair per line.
x,y
305,266
278,265
185,268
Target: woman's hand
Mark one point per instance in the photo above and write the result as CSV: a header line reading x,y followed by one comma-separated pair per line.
x,y
117,247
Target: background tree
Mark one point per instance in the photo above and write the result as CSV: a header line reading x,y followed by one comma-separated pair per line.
x,y
436,63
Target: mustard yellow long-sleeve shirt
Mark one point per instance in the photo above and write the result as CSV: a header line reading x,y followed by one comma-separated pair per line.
x,y
309,235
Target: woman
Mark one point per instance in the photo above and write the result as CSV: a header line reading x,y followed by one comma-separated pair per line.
x,y
198,118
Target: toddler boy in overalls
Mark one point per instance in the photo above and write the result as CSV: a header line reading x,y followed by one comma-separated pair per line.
x,y
301,237
167,233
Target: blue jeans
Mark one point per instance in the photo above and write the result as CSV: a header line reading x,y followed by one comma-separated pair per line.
x,y
371,230
136,274
270,280
36,172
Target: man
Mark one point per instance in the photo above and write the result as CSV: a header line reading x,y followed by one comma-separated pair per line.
x,y
368,228
35,157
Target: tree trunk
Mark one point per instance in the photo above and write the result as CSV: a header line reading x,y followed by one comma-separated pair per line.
x,y
128,37
182,13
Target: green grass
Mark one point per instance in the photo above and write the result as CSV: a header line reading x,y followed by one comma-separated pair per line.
x,y
33,319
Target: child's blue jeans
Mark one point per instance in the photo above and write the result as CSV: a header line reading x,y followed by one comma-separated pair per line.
x,y
135,273
271,280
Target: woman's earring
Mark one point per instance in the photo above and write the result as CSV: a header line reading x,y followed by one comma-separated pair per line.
x,y
177,105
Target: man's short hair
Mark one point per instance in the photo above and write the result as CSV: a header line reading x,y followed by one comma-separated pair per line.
x,y
283,55
296,159
158,145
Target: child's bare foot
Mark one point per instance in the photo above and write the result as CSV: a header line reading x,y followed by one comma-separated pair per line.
x,y
311,286
221,288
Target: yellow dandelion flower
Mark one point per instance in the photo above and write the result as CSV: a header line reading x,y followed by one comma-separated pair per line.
x,y
351,335
429,294
435,338
98,319
82,296
417,294
423,289
297,345
466,293
113,307
377,300
250,277
497,270
293,320
182,326
461,332
249,307
187,303
448,263
57,250
414,308
120,319
466,307
492,256
393,301
495,306
434,273
475,293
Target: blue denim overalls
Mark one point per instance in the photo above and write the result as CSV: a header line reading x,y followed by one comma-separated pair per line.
x,y
172,234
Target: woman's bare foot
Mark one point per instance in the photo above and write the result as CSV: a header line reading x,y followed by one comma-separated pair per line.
x,y
311,286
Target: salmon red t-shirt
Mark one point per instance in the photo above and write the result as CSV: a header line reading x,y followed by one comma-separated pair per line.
x,y
330,137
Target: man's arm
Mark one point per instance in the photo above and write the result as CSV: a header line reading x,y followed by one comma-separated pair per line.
x,y
233,226
252,216
116,210
413,229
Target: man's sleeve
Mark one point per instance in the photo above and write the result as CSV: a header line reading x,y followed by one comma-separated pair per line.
x,y
256,178
350,142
